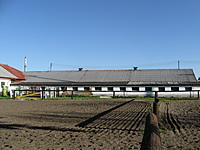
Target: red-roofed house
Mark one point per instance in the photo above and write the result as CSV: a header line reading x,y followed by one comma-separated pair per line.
x,y
9,75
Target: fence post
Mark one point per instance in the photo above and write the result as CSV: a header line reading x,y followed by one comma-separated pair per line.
x,y
43,93
72,95
54,93
113,94
14,95
155,105
151,139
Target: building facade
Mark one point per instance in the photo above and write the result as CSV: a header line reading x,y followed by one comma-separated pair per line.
x,y
121,83
9,75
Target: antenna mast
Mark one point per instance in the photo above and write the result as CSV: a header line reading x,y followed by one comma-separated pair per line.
x,y
178,64
25,64
50,66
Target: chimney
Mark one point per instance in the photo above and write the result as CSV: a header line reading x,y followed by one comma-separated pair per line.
x,y
80,69
135,68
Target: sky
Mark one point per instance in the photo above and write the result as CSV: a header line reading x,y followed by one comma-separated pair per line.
x,y
100,34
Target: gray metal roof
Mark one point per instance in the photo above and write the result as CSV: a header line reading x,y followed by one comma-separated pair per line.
x,y
6,74
106,77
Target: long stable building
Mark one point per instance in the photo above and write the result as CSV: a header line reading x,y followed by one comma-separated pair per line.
x,y
135,82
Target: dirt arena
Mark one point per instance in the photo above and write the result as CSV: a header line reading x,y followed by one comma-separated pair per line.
x,y
182,121
94,124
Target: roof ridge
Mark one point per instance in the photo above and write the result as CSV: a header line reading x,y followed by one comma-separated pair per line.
x,y
108,70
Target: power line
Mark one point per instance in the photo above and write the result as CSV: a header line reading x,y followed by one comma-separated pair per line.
x,y
89,66
161,65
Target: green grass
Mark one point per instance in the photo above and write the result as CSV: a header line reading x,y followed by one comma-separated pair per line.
x,y
162,130
30,98
166,99
74,97
87,97
149,99
141,132
5,97
178,98
143,98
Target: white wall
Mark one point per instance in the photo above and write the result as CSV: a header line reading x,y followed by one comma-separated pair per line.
x,y
168,91
129,93
6,81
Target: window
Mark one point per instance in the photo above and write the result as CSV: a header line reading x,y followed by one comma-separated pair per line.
x,y
188,88
2,84
75,88
86,88
98,88
162,89
135,88
122,88
174,88
148,88
63,88
110,88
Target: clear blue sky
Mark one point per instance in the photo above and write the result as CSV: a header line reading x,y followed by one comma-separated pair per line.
x,y
100,34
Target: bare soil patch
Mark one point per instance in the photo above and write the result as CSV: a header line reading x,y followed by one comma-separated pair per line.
x,y
72,124
94,124
182,121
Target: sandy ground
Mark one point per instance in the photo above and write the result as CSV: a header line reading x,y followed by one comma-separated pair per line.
x,y
72,124
182,121
94,124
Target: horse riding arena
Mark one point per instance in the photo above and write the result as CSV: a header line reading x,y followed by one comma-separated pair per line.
x,y
95,124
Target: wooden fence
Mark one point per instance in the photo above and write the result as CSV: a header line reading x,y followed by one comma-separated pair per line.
x,y
151,139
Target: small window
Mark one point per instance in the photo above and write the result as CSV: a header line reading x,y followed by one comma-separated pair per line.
x,y
174,88
86,88
63,88
135,88
75,88
162,89
110,88
188,88
98,88
2,84
148,88
122,88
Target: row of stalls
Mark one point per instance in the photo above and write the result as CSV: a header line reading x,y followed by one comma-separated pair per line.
x,y
107,91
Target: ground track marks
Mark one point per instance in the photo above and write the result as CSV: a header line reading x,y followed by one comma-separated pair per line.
x,y
129,116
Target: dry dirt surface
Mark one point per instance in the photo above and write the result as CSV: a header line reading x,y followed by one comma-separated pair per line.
x,y
72,124
182,121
